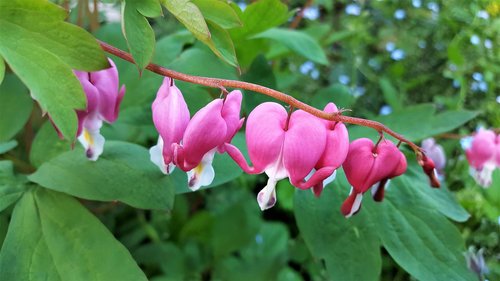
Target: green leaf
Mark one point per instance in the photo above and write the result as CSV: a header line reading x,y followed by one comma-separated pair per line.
x,y
261,259
221,44
47,145
50,233
412,188
11,188
25,255
6,146
149,8
190,16
219,12
15,107
391,95
418,122
422,242
297,41
259,16
341,242
2,69
337,93
124,173
139,34
43,50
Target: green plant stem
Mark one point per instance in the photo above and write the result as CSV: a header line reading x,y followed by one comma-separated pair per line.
x,y
222,83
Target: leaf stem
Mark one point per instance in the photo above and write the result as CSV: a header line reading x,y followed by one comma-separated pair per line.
x,y
218,83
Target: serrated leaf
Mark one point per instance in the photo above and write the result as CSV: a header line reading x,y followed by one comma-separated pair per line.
x,y
43,50
124,173
139,34
190,16
297,41
321,223
15,107
219,12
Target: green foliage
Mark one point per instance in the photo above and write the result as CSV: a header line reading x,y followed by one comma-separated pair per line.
x,y
422,75
49,51
50,233
297,41
139,34
122,165
15,107
408,233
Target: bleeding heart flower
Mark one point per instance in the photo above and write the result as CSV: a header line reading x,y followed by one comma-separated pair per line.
x,y
103,101
482,156
336,148
367,165
171,117
208,131
436,153
282,146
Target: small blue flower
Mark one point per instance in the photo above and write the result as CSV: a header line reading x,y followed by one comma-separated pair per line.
x,y
416,3
353,9
344,79
475,40
306,67
385,110
433,6
400,14
477,76
398,54
488,44
483,15
422,44
390,46
498,101
311,13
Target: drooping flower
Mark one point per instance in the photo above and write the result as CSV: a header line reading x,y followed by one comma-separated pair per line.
x,y
191,144
282,145
482,156
370,165
475,262
170,117
336,148
103,101
436,153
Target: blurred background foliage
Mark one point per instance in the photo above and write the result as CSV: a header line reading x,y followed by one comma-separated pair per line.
x,y
424,68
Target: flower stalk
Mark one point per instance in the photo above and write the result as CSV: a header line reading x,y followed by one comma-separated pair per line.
x,y
223,83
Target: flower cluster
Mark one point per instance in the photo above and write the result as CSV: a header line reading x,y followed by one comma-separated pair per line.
x,y
192,144
283,144
103,96
483,155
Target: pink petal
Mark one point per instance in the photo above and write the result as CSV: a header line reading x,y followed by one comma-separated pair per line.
x,y
110,95
265,133
231,114
206,131
482,149
304,144
170,116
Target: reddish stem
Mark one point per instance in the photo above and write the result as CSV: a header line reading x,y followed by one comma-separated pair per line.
x,y
222,83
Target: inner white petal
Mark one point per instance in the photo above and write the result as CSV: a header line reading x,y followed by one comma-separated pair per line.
x,y
267,196
204,173
93,143
156,156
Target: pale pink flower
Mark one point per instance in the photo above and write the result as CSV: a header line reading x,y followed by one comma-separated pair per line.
x,y
482,156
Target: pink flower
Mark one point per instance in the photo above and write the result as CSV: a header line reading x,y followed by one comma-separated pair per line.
x,y
483,156
282,146
336,148
103,101
191,144
170,117
370,165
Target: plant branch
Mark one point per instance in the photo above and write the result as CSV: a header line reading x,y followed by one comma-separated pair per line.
x,y
223,83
